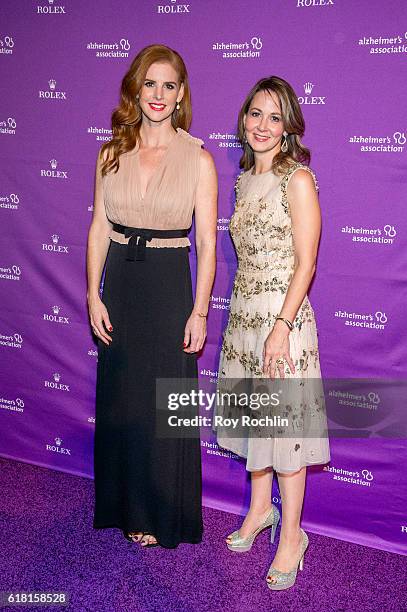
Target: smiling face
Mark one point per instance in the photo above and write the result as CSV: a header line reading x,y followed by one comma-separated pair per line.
x,y
160,92
264,124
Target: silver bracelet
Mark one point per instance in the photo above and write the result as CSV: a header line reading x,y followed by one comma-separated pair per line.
x,y
287,322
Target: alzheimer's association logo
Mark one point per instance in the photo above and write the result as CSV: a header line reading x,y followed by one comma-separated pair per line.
x,y
10,201
363,320
384,143
240,49
116,49
10,272
8,126
11,341
6,45
14,405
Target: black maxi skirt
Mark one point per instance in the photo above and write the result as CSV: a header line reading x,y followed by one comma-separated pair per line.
x,y
144,482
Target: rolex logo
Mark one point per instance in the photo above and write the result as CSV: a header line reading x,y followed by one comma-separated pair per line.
x,y
50,8
54,173
56,384
55,318
308,87
57,448
52,93
54,246
307,98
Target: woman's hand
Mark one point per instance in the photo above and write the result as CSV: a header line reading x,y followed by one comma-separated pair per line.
x,y
98,316
276,349
195,333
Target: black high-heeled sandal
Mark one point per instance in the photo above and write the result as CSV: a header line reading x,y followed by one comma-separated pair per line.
x,y
148,545
130,538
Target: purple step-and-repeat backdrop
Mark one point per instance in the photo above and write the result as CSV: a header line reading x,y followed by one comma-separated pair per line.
x,y
61,65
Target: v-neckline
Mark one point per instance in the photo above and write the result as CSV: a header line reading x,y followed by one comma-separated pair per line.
x,y
155,173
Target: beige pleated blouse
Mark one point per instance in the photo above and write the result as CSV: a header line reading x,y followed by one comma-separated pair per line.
x,y
170,197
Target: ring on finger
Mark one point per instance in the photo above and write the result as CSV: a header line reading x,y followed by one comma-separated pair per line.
x,y
279,361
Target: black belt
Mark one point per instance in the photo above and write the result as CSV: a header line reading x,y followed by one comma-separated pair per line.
x,y
136,248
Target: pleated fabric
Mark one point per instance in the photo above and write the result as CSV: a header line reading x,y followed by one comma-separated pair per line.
x,y
169,200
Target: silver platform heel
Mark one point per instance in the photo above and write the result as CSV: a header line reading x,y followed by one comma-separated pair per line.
x,y
285,580
239,544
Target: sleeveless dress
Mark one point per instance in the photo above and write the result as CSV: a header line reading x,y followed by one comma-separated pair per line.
x,y
144,481
262,234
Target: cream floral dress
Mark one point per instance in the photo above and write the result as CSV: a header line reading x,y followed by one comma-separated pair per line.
x,y
261,231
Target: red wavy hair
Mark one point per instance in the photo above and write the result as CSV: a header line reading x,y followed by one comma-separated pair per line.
x,y
127,117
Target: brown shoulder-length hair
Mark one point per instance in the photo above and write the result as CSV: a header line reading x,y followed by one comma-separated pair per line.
x,y
127,117
293,121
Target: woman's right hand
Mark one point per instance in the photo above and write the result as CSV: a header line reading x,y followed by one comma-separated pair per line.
x,y
98,317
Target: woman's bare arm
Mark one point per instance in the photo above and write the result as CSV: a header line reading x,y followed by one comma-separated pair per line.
x,y
97,248
205,240
306,228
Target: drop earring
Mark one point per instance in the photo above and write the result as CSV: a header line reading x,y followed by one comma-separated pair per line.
x,y
284,145
178,106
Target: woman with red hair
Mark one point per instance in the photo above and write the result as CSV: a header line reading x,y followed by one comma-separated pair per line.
x,y
150,179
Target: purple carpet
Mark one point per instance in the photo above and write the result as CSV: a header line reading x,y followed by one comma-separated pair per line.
x,y
48,543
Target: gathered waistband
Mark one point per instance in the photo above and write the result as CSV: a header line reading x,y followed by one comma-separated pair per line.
x,y
139,236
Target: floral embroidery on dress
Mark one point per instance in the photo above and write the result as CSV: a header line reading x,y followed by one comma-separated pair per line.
x,y
261,231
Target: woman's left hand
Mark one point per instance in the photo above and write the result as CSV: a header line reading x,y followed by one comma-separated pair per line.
x,y
276,350
195,333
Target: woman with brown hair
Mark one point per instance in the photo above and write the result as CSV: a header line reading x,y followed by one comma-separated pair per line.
x,y
271,330
150,179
